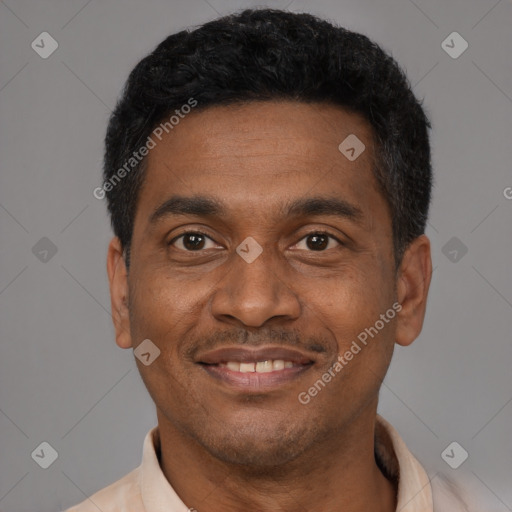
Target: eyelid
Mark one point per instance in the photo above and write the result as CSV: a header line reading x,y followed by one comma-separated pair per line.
x,y
189,232
305,235
321,232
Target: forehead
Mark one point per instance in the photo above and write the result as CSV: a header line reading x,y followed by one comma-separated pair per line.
x,y
255,157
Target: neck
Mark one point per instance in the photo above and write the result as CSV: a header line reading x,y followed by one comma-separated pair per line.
x,y
339,473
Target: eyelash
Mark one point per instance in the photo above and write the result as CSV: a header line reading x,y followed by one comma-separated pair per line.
x,y
193,232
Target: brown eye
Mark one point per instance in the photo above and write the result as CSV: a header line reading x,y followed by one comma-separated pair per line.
x,y
319,241
191,241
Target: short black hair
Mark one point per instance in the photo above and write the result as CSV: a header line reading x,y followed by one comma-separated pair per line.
x,y
266,55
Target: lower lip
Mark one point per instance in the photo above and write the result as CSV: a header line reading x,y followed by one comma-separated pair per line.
x,y
253,381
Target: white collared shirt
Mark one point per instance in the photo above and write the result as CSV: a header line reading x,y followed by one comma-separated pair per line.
x,y
146,489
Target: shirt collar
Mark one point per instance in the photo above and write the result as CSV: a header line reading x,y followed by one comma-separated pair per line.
x,y
399,464
156,492
392,455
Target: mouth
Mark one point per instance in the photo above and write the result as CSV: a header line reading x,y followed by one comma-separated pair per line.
x,y
255,370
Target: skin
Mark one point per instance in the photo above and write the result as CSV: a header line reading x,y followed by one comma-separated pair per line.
x,y
225,450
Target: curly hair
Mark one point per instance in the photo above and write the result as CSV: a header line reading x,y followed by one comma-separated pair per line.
x,y
269,54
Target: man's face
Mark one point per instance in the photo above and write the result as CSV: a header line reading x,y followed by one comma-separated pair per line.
x,y
322,278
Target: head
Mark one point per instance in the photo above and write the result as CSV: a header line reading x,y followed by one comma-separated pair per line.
x,y
246,223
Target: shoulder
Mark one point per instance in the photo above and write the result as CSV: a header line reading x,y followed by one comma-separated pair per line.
x,y
450,496
120,496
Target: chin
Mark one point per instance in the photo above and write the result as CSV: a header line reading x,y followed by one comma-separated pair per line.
x,y
254,457
258,448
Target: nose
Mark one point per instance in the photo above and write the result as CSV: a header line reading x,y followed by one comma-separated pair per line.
x,y
252,294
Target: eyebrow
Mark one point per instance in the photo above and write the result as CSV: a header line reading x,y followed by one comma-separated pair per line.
x,y
205,206
200,206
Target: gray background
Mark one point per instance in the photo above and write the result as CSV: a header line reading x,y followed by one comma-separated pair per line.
x,y
62,378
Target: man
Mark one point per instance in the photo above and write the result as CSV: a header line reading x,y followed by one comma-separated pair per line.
x,y
268,178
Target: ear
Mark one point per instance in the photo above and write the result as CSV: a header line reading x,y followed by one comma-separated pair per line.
x,y
413,282
118,279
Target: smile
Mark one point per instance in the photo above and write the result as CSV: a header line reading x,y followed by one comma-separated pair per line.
x,y
257,369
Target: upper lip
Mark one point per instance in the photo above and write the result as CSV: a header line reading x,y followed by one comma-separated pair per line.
x,y
253,355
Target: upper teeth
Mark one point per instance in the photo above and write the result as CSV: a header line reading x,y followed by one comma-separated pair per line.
x,y
259,367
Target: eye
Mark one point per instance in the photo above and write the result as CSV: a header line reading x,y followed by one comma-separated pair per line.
x,y
319,241
192,241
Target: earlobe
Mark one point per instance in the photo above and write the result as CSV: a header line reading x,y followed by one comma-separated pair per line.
x,y
413,283
118,280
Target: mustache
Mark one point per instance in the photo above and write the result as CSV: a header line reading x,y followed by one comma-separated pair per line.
x,y
242,337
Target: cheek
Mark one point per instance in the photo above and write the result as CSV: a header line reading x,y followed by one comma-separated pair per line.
x,y
350,308
162,306
164,313
349,302
364,346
